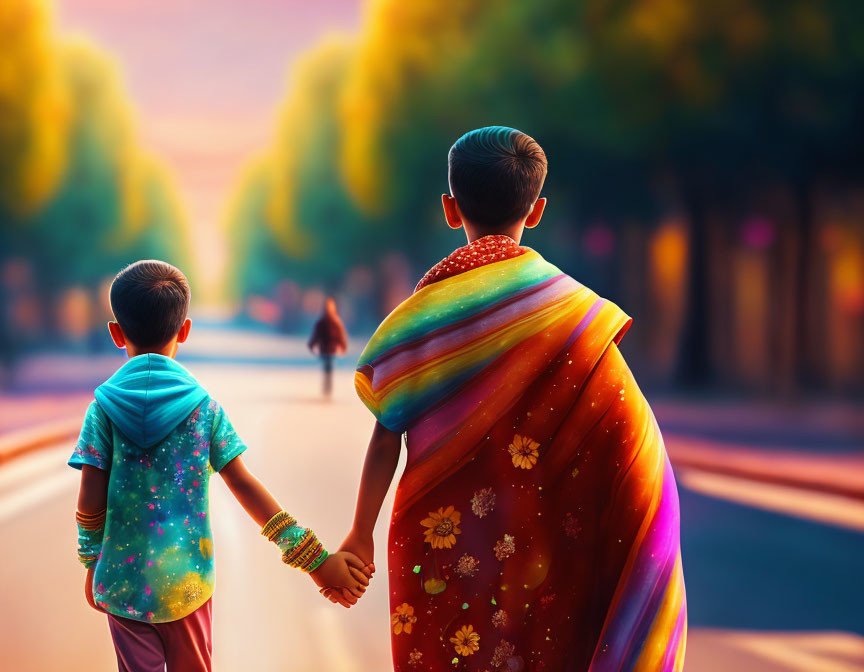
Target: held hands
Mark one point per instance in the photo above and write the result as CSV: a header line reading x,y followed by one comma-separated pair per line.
x,y
358,546
362,546
343,571
344,576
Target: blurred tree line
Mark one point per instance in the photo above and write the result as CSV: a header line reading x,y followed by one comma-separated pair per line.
x,y
704,173
78,196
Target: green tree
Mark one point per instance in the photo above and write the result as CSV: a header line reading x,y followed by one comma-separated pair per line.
x,y
292,215
108,204
643,106
113,203
33,109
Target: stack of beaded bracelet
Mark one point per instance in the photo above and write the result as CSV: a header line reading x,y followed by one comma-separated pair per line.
x,y
307,555
300,547
277,523
91,528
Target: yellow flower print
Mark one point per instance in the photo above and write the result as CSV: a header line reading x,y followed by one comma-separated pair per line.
x,y
435,586
403,619
205,545
466,641
523,450
442,527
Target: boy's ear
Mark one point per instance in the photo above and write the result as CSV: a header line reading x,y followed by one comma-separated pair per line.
x,y
533,218
183,334
117,335
451,211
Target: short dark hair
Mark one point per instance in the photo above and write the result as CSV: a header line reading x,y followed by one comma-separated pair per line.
x,y
150,299
496,174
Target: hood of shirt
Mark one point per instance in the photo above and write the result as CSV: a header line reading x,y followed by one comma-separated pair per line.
x,y
148,397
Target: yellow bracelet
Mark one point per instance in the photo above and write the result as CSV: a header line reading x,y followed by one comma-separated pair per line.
x,y
319,549
292,554
277,523
91,521
300,553
307,554
311,558
281,527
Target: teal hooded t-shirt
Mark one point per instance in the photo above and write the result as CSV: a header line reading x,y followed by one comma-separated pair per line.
x,y
159,435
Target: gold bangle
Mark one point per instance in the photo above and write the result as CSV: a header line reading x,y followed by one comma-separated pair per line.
x,y
300,562
90,524
296,554
83,514
281,527
293,553
319,548
311,550
305,554
318,561
298,547
274,519
283,518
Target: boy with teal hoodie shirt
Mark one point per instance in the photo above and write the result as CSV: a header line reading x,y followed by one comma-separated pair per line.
x,y
149,443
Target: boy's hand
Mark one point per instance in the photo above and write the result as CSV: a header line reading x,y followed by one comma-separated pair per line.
x,y
341,596
342,570
88,589
363,546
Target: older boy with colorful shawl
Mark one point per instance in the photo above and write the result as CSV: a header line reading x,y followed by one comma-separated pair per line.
x,y
536,526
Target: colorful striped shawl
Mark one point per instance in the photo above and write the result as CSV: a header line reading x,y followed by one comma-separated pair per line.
x,y
450,331
517,346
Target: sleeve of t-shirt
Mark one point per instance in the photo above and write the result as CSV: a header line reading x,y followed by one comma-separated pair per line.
x,y
95,443
225,445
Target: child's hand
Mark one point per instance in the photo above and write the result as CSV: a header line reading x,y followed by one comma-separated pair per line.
x,y
338,595
342,570
88,589
363,547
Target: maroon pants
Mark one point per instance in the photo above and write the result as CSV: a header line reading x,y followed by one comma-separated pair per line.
x,y
184,646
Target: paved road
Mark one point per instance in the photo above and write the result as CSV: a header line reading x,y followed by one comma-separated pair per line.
x,y
748,570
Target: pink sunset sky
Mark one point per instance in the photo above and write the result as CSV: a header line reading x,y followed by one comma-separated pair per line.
x,y
205,77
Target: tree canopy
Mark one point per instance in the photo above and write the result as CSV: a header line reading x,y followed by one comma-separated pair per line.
x,y
620,94
646,109
78,195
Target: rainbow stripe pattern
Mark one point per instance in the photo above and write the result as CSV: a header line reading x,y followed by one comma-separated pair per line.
x,y
450,331
518,346
646,624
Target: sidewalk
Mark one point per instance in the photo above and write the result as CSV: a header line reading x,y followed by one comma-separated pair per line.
x,y
810,425
828,472
713,650
31,422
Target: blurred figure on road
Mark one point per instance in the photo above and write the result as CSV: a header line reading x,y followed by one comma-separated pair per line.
x,y
328,340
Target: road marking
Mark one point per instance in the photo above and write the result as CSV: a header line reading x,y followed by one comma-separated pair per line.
x,y
818,506
832,652
31,467
27,497
712,650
